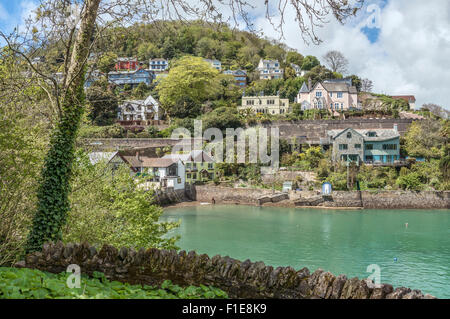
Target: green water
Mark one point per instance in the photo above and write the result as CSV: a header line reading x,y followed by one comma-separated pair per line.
x,y
342,242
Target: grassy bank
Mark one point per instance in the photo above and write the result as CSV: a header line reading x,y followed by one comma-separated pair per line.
x,y
34,284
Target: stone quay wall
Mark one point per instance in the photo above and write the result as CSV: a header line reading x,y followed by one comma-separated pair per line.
x,y
365,199
221,194
239,279
391,200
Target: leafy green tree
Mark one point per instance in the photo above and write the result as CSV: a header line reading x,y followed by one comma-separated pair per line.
x,y
289,73
208,48
319,74
103,104
190,82
147,50
410,181
294,57
425,139
274,52
141,91
444,165
108,206
356,81
309,62
222,118
106,62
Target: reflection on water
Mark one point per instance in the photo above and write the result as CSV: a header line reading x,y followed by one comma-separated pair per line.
x,y
342,242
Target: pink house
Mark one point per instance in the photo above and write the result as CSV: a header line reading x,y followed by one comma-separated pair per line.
x,y
335,95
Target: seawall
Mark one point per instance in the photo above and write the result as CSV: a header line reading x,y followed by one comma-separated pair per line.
x,y
391,199
365,199
239,279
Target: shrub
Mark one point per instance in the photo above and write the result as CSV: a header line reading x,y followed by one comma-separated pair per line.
x,y
410,181
111,131
35,284
109,206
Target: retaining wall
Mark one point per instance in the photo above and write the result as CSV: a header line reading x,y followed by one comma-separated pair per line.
x,y
204,193
391,200
239,279
311,131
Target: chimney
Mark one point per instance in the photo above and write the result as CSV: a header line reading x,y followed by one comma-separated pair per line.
x,y
309,84
137,156
396,127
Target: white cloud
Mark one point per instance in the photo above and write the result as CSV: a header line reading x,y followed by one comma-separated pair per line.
x,y
411,55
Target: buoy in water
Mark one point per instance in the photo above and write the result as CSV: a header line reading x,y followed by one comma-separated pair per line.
x,y
395,258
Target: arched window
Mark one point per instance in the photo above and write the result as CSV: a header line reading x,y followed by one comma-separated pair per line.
x,y
349,135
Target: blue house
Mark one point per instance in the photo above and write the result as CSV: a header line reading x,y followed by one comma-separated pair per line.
x,y
371,146
132,78
240,77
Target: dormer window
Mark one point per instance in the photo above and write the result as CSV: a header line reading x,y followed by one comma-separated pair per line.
x,y
372,134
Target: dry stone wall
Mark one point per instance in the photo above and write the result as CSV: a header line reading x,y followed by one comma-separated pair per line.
x,y
239,279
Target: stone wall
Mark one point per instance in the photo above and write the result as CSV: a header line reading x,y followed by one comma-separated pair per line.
x,y
282,176
391,200
370,199
129,143
309,131
204,193
312,131
239,279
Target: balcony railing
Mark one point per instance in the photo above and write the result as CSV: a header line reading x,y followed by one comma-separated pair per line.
x,y
401,162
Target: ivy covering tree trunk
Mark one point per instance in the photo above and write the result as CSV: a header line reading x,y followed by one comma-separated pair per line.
x,y
53,202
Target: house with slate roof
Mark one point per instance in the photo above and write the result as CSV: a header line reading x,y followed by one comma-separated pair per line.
x,y
158,65
371,146
200,167
139,110
240,77
335,95
132,78
163,173
270,69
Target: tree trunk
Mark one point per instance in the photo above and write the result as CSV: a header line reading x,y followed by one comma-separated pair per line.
x,y
53,202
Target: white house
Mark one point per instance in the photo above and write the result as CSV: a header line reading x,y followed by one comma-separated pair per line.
x,y
139,110
158,65
158,172
216,64
298,70
270,69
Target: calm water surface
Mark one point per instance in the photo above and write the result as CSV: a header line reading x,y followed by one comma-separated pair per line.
x,y
342,242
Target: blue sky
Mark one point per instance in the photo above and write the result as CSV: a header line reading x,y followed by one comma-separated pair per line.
x,y
405,51
373,33
12,12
